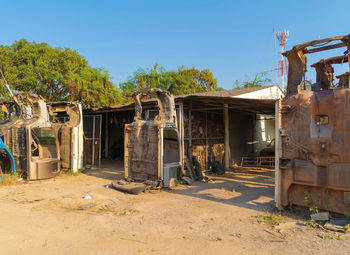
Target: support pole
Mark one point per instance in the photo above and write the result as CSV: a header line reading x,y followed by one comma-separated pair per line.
x,y
190,131
227,138
206,141
100,143
182,134
278,154
106,134
93,141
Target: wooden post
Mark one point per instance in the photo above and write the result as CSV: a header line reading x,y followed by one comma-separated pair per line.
x,y
182,134
227,138
100,143
278,154
206,140
190,131
106,134
93,140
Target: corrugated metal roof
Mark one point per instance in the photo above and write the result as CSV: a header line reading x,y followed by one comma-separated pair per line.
x,y
226,93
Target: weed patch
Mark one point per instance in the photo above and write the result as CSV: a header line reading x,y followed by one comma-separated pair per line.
x,y
273,219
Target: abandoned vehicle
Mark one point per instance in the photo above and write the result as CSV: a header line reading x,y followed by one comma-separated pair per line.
x,y
152,146
43,138
314,141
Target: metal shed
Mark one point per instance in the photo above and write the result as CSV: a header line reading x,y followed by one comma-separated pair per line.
x,y
209,123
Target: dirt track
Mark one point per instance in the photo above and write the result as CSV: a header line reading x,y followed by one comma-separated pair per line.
x,y
208,218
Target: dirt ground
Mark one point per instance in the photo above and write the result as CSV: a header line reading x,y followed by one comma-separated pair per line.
x,y
223,217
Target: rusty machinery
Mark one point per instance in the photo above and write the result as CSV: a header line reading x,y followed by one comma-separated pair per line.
x,y
314,167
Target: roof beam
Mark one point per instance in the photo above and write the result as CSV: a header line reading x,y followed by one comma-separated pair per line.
x,y
328,47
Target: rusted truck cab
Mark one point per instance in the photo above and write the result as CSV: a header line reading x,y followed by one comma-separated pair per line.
x,y
42,137
314,163
152,148
30,136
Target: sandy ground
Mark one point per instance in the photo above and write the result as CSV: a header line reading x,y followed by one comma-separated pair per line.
x,y
52,217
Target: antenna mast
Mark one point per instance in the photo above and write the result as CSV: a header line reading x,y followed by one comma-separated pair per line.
x,y
282,63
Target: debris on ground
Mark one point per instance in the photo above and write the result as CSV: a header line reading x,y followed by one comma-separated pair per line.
x,y
187,180
129,187
338,225
194,172
152,185
321,216
87,197
215,167
132,187
335,228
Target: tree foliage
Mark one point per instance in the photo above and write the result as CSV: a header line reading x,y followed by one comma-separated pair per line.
x,y
178,82
63,75
259,80
56,74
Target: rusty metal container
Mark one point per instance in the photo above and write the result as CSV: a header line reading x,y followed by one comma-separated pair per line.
x,y
152,146
314,163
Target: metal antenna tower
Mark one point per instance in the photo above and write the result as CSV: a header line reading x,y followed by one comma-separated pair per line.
x,y
282,67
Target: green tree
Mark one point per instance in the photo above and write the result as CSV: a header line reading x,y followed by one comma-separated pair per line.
x,y
259,80
56,74
178,82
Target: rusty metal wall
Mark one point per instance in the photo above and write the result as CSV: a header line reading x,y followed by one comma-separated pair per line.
x,y
142,156
315,162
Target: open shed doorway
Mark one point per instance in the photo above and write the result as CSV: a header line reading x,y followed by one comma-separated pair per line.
x,y
113,134
92,139
242,136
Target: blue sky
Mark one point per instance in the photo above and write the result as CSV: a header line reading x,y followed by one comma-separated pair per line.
x,y
231,38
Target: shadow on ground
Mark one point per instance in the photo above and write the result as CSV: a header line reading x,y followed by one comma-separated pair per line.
x,y
251,188
109,170
243,187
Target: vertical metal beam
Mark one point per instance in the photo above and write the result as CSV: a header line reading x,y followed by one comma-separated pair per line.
x,y
100,143
161,148
278,154
190,131
93,140
254,138
227,138
206,139
182,134
106,134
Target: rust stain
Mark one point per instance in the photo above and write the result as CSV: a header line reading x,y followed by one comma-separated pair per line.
x,y
151,144
315,162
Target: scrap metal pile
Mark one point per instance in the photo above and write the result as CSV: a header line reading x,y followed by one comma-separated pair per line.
x,y
42,137
315,134
152,146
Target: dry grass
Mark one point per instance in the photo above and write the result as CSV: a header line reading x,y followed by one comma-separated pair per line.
x,y
9,179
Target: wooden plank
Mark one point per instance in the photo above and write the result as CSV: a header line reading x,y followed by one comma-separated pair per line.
x,y
126,153
328,47
227,138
